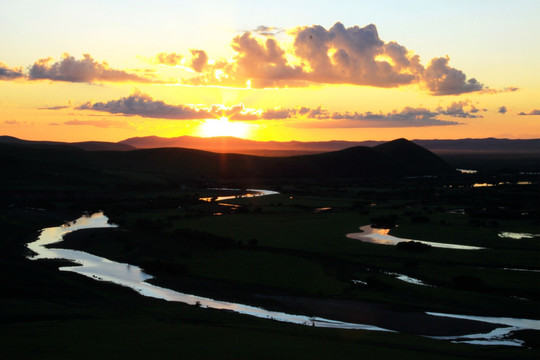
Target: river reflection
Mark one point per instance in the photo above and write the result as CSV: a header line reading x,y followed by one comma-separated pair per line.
x,y
382,236
135,278
250,193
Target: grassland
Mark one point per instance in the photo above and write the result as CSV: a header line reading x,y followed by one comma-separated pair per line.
x,y
281,246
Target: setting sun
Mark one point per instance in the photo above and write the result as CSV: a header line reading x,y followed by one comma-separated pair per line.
x,y
223,127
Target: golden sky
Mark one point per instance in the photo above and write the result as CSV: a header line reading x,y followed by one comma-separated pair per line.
x,y
300,70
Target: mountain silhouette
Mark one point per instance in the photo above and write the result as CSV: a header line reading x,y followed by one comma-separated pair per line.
x,y
56,165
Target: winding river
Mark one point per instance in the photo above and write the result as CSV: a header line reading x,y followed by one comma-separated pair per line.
x,y
131,276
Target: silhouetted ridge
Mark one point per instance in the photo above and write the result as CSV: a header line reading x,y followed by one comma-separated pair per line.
x,y
85,145
54,164
415,159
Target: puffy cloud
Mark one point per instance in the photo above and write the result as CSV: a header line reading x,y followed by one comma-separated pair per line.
x,y
442,79
457,109
339,55
532,112
84,70
7,73
502,110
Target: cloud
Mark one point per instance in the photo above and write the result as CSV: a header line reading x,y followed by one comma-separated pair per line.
x,y
267,30
97,123
502,110
16,122
60,107
532,112
339,55
198,60
498,91
442,79
84,70
143,105
457,109
407,117
139,104
7,73
171,59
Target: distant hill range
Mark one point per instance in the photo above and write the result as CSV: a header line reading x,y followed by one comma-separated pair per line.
x,y
275,148
85,145
227,144
56,165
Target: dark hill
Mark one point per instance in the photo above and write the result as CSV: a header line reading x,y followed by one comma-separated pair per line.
x,y
85,145
415,159
276,148
53,165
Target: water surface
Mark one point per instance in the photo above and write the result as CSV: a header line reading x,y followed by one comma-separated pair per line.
x,y
382,236
131,276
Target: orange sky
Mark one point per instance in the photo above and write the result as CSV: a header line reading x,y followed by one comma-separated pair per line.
x,y
270,77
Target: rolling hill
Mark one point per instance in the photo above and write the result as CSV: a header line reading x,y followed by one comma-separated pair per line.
x,y
61,165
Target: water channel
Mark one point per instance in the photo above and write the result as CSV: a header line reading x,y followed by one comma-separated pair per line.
x,y
382,236
131,276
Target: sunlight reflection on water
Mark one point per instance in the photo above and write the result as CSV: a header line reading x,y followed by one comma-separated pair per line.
x,y
382,236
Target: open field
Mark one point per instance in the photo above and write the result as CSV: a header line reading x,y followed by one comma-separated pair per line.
x,y
265,251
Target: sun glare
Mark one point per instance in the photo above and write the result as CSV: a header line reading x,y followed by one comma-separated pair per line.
x,y
223,127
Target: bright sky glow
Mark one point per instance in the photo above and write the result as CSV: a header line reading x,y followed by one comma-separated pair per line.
x,y
283,70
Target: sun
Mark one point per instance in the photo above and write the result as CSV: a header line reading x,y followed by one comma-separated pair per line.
x,y
223,127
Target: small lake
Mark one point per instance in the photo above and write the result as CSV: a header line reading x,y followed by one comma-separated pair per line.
x,y
382,236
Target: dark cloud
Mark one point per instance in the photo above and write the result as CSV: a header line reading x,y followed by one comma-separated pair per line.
x,y
502,110
339,55
532,112
84,70
7,73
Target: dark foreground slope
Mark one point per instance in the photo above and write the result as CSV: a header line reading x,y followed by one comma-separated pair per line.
x,y
63,164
